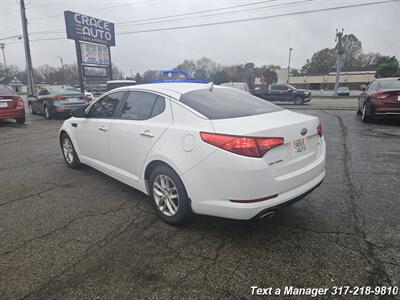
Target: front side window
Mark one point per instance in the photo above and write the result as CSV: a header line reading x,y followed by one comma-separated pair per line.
x,y
142,106
226,103
106,106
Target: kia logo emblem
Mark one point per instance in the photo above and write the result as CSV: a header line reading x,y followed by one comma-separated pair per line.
x,y
304,131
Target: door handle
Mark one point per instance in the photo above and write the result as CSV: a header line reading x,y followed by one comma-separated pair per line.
x,y
147,133
102,128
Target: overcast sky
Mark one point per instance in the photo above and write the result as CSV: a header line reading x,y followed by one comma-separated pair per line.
x,y
263,42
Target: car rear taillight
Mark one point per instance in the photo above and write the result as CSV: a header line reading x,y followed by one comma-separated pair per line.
x,y
380,96
57,97
20,103
242,145
319,129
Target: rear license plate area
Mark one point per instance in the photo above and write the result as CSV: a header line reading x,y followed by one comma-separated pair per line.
x,y
300,146
3,104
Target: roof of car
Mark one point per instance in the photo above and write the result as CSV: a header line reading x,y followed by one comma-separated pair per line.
x,y
121,81
173,89
388,78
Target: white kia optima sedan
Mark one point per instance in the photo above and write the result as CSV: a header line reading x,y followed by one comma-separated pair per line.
x,y
198,148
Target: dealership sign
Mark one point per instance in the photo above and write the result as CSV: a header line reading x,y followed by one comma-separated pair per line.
x,y
84,28
95,54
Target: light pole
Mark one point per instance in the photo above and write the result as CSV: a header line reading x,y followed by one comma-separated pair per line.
x,y
288,68
62,67
2,45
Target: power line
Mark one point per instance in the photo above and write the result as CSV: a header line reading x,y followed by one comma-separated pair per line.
x,y
259,18
195,12
229,12
91,10
60,30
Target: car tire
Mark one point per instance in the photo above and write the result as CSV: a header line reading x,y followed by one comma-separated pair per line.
x,y
365,114
31,110
47,113
298,101
168,196
69,153
20,120
358,108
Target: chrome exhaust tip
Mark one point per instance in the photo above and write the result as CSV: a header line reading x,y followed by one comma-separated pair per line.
x,y
268,214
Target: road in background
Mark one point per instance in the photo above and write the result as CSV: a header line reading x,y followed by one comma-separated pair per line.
x,y
79,234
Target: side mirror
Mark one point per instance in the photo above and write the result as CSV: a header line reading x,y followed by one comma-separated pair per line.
x,y
79,113
289,90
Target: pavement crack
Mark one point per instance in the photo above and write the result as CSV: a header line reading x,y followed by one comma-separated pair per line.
x,y
57,229
38,194
378,276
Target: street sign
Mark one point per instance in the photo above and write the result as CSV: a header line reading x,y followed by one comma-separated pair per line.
x,y
95,71
95,54
85,28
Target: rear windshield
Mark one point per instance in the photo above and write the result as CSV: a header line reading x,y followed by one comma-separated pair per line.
x,y
224,103
4,91
65,90
390,84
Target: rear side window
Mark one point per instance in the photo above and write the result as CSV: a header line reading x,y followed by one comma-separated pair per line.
x,y
390,84
221,103
4,91
142,106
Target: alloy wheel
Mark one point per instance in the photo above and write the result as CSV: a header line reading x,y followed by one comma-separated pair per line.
x,y
166,195
68,150
364,112
46,112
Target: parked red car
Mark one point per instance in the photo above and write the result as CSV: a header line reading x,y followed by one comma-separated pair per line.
x,y
11,106
380,99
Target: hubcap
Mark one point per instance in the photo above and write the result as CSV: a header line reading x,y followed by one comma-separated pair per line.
x,y
46,112
166,195
364,111
68,150
30,108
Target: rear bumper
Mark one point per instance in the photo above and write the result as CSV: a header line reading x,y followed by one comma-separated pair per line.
x,y
12,113
212,185
65,110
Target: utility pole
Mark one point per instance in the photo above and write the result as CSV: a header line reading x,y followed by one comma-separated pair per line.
x,y
29,72
62,67
2,46
288,68
339,53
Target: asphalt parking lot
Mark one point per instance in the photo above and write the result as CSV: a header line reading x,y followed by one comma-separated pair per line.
x,y
78,234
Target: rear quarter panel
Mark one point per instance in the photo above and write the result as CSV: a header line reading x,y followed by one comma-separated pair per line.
x,y
181,145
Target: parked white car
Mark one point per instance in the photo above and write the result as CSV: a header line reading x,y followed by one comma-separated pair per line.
x,y
199,148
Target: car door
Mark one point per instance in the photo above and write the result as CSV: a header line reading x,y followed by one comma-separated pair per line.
x,y
144,117
285,93
93,131
365,94
275,91
39,100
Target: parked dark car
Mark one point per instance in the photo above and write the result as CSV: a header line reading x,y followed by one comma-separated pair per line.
x,y
343,91
113,84
56,100
380,99
11,106
283,92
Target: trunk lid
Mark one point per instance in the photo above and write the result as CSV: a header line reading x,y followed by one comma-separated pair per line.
x,y
301,140
393,97
8,102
